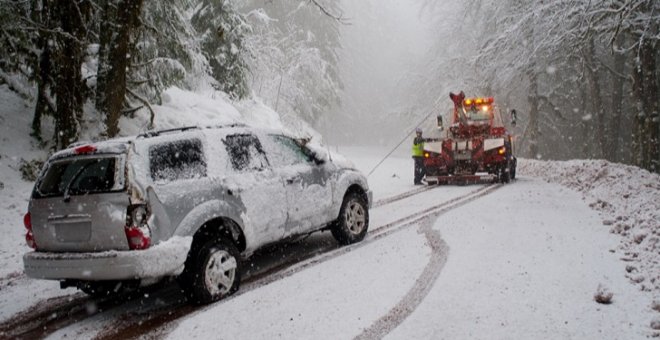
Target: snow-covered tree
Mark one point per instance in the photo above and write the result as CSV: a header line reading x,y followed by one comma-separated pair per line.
x,y
293,55
221,31
566,64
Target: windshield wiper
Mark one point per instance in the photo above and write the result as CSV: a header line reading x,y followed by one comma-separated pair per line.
x,y
67,197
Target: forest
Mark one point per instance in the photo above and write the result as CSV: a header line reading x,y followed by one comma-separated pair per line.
x,y
88,63
582,74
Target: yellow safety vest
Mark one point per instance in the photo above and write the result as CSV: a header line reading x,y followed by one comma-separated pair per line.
x,y
418,149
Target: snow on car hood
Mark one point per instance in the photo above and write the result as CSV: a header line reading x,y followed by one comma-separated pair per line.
x,y
326,155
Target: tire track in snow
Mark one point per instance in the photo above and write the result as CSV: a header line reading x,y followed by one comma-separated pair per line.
x,y
439,252
419,291
387,200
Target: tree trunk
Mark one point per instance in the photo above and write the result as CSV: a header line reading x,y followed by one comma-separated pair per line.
x,y
597,120
72,17
43,67
651,141
533,100
615,144
121,18
646,148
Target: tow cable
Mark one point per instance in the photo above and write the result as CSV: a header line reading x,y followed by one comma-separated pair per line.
x,y
401,142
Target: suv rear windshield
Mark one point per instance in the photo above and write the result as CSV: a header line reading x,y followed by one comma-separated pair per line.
x,y
79,176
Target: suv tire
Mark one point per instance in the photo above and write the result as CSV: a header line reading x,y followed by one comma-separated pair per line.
x,y
215,272
353,221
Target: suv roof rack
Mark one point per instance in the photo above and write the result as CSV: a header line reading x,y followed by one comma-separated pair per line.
x,y
226,126
156,133
149,134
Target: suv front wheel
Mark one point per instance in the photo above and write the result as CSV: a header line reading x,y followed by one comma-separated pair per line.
x,y
215,272
353,221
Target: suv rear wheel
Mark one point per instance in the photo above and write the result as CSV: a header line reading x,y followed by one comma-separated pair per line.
x,y
215,272
353,221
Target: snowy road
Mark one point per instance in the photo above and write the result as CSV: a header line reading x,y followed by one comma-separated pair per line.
x,y
487,262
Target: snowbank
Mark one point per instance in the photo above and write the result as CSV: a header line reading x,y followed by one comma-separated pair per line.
x,y
628,199
182,108
16,147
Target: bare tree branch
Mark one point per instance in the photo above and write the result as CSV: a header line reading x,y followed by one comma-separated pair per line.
x,y
325,11
145,103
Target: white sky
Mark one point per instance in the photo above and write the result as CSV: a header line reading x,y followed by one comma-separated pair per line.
x,y
384,45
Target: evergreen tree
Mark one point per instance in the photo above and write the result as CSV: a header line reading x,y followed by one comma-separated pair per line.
x,y
167,53
293,56
221,30
118,26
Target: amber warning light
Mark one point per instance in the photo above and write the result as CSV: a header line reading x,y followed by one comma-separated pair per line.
x,y
478,101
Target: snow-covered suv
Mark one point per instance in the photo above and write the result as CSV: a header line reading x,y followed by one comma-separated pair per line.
x,y
189,202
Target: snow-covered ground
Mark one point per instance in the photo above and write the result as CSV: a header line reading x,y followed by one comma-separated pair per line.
x,y
523,261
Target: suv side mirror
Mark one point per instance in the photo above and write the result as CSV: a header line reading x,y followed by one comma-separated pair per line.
x,y
317,154
514,117
439,122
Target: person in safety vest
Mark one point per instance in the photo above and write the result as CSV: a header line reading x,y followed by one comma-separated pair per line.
x,y
418,155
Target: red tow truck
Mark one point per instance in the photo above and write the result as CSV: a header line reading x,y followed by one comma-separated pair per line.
x,y
476,148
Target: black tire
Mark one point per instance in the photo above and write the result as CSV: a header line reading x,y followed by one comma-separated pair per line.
x,y
213,272
505,175
513,168
353,221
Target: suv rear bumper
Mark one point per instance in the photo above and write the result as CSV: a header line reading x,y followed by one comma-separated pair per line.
x,y
164,259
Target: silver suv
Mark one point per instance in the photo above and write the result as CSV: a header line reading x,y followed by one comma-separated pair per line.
x,y
188,203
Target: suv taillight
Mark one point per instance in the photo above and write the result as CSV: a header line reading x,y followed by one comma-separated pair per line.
x,y
29,237
137,230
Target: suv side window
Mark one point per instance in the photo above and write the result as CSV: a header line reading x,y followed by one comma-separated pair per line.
x,y
245,152
287,152
177,160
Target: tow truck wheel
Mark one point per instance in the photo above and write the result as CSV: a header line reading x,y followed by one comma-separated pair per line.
x,y
513,169
505,174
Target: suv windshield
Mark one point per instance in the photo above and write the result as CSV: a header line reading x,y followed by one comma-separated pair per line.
x,y
79,176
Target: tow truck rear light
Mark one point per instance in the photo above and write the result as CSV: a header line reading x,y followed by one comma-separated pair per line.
x,y
501,150
137,230
29,236
427,155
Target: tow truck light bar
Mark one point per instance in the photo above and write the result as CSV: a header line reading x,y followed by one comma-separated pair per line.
x,y
478,101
